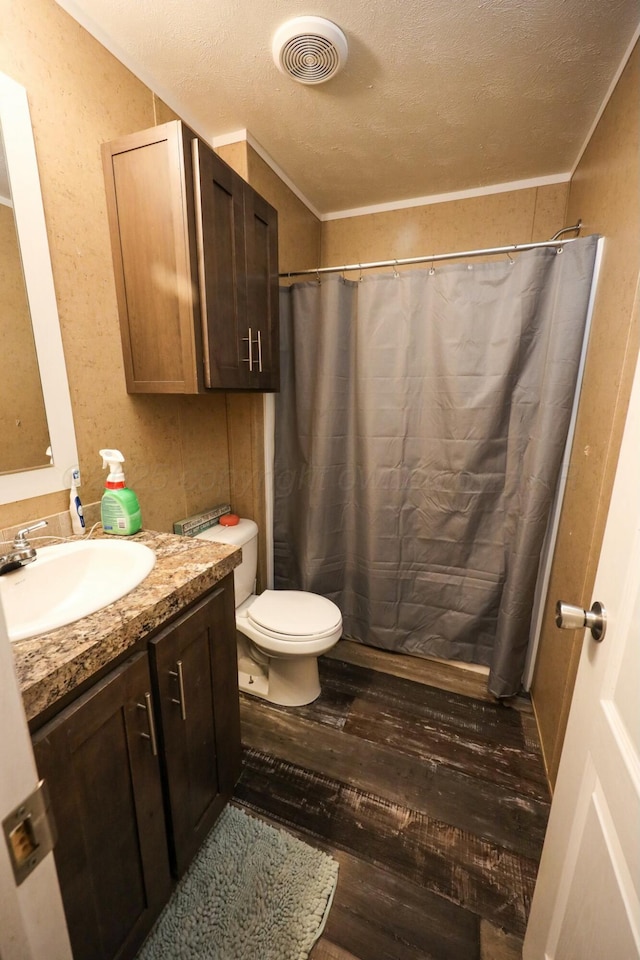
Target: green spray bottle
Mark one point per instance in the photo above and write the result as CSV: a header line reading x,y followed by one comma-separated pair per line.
x,y
119,509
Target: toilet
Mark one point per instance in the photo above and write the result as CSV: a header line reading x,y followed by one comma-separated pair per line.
x,y
280,633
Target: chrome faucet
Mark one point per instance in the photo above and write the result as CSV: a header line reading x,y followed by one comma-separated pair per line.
x,y
21,551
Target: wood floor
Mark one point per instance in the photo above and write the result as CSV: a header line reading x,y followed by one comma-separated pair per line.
x,y
430,795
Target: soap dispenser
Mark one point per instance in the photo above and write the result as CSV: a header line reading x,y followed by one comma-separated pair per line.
x,y
119,508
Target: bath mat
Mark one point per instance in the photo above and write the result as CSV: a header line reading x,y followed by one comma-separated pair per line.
x,y
252,893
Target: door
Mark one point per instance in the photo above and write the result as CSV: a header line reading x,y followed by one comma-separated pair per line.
x,y
585,905
99,757
195,677
263,303
221,271
149,190
32,924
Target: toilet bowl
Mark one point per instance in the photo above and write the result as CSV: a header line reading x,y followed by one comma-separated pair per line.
x,y
280,633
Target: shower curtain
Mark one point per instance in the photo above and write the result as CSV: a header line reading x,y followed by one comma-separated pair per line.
x,y
420,431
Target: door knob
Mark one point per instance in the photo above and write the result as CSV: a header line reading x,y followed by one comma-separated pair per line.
x,y
569,617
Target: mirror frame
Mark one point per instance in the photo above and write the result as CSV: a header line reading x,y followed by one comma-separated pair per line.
x,y
22,166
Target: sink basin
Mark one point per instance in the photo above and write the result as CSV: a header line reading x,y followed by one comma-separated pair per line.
x,y
69,581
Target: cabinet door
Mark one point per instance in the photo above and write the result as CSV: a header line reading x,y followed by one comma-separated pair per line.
x,y
194,666
149,184
222,271
261,243
106,796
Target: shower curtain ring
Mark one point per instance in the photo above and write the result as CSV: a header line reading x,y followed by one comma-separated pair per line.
x,y
360,278
396,273
511,260
432,269
318,276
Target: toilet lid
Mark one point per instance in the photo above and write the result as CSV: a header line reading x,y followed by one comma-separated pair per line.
x,y
294,613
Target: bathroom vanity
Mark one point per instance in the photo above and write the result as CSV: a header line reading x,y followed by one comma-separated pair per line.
x,y
135,724
195,255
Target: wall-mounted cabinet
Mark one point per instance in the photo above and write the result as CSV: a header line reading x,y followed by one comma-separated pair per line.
x,y
195,252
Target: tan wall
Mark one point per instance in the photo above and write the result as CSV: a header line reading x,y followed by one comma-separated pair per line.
x,y
499,219
177,448
605,194
24,436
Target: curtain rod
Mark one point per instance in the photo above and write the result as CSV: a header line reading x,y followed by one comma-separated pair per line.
x,y
435,258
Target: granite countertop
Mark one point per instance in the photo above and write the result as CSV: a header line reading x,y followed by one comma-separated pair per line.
x,y
53,664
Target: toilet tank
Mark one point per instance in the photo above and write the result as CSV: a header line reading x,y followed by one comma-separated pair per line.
x,y
244,534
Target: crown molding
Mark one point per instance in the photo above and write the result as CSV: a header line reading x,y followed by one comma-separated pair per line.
x,y
448,197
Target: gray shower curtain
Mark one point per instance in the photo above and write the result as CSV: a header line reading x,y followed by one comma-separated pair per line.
x,y
419,435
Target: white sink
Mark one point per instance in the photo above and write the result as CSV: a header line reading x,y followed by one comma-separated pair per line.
x,y
69,581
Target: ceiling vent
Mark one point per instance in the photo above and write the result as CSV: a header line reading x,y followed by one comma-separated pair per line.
x,y
309,49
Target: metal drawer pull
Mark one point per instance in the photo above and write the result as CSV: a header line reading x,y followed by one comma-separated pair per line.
x,y
180,678
259,352
147,705
249,340
569,617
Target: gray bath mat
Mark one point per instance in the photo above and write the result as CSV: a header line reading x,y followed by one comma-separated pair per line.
x,y
252,893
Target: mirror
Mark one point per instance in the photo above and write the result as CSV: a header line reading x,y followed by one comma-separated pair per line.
x,y
35,408
24,435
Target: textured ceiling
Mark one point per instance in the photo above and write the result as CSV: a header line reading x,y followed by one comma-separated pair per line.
x,y
437,95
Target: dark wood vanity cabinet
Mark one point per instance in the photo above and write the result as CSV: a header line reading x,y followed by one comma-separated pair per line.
x,y
196,692
106,797
138,768
195,253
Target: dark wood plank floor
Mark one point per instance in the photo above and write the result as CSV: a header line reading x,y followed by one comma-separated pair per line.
x,y
430,795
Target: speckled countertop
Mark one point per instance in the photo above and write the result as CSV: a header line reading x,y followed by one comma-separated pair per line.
x,y
53,664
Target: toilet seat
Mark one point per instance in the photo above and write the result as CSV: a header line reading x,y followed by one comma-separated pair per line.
x,y
294,616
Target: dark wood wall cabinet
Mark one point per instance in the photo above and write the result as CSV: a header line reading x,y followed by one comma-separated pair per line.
x,y
138,768
195,252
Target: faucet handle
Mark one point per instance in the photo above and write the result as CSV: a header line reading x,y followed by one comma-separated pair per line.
x,y
21,535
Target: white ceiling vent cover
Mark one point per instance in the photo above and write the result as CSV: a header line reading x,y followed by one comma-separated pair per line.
x,y
309,49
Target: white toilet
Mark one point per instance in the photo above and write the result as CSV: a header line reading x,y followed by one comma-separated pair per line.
x,y
280,633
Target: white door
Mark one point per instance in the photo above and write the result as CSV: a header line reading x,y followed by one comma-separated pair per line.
x,y
585,905
32,924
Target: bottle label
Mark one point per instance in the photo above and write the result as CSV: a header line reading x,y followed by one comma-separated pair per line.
x,y
117,519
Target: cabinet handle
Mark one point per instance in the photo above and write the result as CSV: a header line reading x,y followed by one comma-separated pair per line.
x,y
249,340
177,673
147,705
259,352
